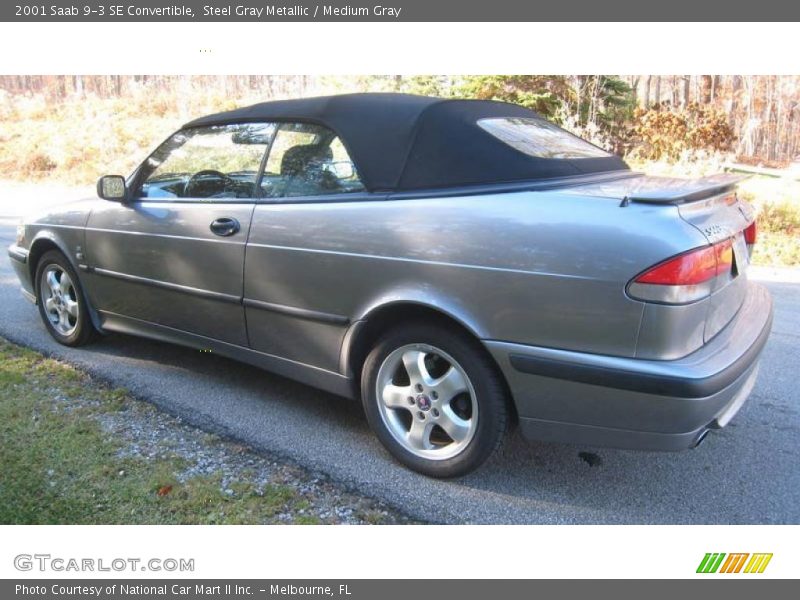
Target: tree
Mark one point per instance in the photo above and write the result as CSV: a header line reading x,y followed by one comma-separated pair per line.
x,y
543,93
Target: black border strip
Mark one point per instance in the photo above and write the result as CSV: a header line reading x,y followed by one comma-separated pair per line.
x,y
174,287
301,313
646,383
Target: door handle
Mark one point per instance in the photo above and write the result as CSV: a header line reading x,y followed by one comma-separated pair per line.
x,y
225,226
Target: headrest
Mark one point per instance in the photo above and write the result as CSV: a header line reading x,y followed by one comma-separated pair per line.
x,y
297,158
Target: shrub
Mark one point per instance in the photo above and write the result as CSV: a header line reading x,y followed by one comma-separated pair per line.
x,y
39,163
779,217
662,133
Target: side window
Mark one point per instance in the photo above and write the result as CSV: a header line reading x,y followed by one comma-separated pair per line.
x,y
308,160
218,162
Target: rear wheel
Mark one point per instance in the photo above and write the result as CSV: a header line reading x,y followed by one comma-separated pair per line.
x,y
434,399
61,304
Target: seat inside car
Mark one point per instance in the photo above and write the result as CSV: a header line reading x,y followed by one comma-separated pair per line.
x,y
303,171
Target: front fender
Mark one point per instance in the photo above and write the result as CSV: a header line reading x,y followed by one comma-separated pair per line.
x,y
46,239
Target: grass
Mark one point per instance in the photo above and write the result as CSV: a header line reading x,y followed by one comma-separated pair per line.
x,y
59,466
777,249
777,204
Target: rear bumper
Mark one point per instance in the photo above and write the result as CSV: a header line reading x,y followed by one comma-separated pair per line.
x,y
635,403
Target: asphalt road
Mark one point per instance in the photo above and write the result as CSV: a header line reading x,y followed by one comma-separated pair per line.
x,y
746,473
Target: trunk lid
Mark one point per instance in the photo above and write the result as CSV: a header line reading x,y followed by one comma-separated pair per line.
x,y
711,205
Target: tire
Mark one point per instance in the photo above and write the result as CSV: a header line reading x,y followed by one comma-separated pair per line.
x,y
435,399
61,302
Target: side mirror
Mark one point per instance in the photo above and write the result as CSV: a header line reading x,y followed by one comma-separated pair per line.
x,y
112,187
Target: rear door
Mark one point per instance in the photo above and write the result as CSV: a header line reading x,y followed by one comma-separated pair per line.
x,y
174,255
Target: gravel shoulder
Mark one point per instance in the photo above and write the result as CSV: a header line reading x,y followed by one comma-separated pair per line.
x,y
75,450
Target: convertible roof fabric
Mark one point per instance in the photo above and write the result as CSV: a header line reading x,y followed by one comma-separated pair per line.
x,y
402,142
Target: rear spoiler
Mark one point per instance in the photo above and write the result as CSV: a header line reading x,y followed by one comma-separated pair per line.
x,y
689,190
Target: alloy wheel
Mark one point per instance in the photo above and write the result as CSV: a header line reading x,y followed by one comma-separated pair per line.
x,y
59,298
427,401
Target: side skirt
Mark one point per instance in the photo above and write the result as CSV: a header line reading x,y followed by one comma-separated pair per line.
x,y
329,381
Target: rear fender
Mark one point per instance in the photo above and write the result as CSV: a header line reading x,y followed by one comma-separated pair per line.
x,y
406,296
427,298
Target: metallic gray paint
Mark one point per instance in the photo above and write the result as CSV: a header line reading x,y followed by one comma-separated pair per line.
x,y
158,261
726,403
18,254
557,401
183,289
504,265
543,272
669,332
19,262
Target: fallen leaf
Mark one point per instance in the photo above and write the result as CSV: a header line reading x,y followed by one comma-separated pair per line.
x,y
164,490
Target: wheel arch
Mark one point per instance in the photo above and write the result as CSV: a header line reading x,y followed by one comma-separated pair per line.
x,y
364,332
43,242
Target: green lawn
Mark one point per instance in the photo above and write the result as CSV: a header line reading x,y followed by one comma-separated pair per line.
x,y
58,464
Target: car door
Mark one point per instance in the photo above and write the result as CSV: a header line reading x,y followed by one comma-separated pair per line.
x,y
291,310
173,254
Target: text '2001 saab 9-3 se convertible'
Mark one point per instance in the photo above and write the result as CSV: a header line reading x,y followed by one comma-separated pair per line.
x,y
458,265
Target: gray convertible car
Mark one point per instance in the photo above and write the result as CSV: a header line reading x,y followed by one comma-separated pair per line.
x,y
460,266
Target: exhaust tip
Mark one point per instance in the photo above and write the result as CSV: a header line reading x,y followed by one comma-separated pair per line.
x,y
700,438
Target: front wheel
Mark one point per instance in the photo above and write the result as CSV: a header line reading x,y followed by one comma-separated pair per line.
x,y
434,399
61,304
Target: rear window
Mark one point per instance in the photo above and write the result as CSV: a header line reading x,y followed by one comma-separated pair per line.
x,y
540,138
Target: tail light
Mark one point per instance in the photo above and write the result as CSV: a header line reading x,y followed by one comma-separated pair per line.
x,y
685,278
750,236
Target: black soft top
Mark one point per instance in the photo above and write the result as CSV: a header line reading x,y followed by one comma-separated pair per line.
x,y
403,142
